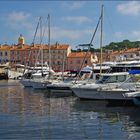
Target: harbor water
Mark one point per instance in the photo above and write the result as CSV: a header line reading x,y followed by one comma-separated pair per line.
x,y
32,114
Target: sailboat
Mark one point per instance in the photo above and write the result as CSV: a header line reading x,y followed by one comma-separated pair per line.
x,y
42,84
65,85
40,70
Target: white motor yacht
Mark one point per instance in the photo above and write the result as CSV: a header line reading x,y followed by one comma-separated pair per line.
x,y
111,86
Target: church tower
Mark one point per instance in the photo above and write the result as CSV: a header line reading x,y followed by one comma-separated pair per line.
x,y
21,40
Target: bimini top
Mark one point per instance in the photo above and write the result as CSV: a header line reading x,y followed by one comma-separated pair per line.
x,y
134,72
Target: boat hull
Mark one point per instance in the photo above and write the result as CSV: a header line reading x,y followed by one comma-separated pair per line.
x,y
26,82
100,94
40,84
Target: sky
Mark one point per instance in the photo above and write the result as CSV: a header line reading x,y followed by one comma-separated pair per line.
x,y
71,22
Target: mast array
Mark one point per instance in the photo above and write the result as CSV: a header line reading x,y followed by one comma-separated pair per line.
x,y
101,40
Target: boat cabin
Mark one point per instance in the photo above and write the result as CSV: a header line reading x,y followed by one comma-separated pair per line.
x,y
113,77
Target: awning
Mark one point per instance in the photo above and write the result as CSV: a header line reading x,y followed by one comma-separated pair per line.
x,y
134,72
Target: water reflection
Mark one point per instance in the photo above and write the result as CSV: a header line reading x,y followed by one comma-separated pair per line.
x,y
125,119
15,99
30,114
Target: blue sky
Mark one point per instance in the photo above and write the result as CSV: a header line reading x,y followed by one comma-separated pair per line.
x,y
72,22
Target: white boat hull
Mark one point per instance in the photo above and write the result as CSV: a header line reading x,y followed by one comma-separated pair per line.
x,y
26,82
39,85
100,94
14,74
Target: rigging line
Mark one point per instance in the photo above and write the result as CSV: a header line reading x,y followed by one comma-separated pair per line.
x,y
110,24
89,47
32,43
41,40
36,31
49,43
40,24
101,40
95,30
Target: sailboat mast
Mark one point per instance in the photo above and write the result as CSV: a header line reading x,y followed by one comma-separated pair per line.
x,y
101,39
49,42
41,35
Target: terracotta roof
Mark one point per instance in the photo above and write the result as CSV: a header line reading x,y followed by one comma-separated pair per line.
x,y
35,47
24,47
79,54
5,47
57,47
132,50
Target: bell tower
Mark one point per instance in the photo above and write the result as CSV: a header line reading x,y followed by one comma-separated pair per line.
x,y
21,40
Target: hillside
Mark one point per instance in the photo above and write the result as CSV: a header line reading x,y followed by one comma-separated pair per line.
x,y
125,44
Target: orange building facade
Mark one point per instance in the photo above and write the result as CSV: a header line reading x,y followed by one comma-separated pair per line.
x,y
58,55
78,60
30,55
5,53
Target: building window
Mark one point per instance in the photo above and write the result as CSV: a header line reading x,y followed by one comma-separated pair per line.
x,y
78,61
70,62
58,62
85,61
46,51
5,53
0,53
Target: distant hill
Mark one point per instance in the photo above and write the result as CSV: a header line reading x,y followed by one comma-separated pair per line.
x,y
125,44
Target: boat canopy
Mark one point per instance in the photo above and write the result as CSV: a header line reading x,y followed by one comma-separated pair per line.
x,y
134,72
87,69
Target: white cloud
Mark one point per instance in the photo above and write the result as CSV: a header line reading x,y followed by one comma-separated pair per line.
x,y
59,33
77,4
19,20
131,35
135,35
119,34
73,5
130,8
18,16
77,20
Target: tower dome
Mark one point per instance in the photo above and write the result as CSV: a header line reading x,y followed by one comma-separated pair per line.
x,y
21,40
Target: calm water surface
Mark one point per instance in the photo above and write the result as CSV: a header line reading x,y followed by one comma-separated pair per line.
x,y
28,114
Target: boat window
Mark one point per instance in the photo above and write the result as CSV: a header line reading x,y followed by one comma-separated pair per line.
x,y
121,78
103,79
112,79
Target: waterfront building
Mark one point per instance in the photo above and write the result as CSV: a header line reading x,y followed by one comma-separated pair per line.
x,y
127,54
105,56
31,54
4,53
78,60
19,55
58,55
